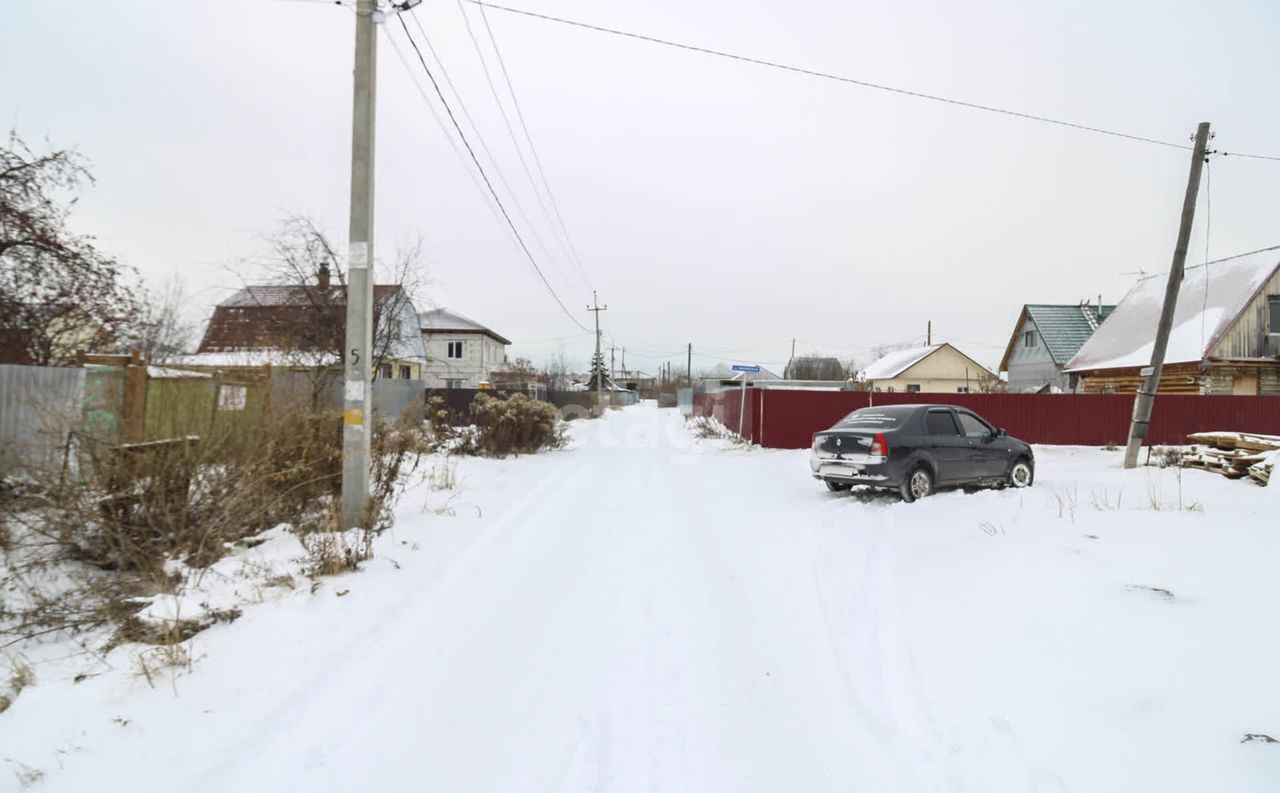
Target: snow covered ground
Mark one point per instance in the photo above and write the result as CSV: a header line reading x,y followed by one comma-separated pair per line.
x,y
649,612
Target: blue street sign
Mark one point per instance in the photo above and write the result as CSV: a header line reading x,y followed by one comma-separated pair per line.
x,y
742,367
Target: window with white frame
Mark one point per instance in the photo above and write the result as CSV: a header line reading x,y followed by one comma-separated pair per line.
x,y
455,350
453,384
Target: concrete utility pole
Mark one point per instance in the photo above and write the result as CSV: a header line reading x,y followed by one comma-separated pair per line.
x,y
596,309
1146,398
688,371
356,400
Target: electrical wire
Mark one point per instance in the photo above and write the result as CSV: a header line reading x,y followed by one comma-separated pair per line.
x,y
533,150
484,146
511,133
1250,156
841,79
470,151
444,130
1208,225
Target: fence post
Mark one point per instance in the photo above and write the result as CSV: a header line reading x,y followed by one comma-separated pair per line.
x,y
135,399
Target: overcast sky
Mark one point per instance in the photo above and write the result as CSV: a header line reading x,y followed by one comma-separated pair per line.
x,y
726,204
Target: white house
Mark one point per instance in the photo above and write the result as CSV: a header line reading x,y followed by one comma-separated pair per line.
x,y
938,368
461,352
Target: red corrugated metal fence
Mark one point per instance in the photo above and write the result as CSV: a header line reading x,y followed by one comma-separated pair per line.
x,y
787,419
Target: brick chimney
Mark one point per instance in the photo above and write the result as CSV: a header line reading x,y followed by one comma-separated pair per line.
x,y
324,277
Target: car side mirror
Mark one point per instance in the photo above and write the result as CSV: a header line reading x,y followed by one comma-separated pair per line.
x,y
1000,433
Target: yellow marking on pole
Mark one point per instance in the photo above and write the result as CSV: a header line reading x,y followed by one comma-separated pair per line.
x,y
353,416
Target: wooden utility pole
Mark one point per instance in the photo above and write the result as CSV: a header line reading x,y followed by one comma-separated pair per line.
x,y
688,370
928,336
599,357
356,402
1146,398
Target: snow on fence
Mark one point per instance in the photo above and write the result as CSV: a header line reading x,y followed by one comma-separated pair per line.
x,y
39,405
784,419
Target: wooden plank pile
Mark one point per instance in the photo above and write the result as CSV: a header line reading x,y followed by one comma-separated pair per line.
x,y
1235,455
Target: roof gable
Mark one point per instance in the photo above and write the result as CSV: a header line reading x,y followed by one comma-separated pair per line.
x,y
1210,302
895,363
1063,329
288,316
442,320
898,363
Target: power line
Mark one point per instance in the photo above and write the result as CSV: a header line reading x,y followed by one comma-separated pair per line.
x,y
1250,156
453,119
838,78
493,161
511,133
537,161
466,164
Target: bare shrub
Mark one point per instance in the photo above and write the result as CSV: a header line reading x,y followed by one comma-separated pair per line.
x,y
1103,502
515,425
1168,456
120,524
709,428
1067,501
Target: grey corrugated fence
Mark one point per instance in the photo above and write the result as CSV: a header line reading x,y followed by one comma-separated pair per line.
x,y
39,405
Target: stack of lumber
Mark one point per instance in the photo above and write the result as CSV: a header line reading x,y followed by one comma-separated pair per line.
x,y
1235,455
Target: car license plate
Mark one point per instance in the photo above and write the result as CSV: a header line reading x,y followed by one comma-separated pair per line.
x,y
840,470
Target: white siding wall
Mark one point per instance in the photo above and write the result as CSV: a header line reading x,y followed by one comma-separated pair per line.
x,y
480,356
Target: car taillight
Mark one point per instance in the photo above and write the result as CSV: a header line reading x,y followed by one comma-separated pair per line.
x,y
814,442
879,446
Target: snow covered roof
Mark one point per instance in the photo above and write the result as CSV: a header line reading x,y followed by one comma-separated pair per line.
x,y
247,359
897,362
1210,301
169,373
442,319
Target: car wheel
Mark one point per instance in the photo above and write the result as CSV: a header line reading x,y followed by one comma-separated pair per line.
x,y
1021,474
837,487
918,484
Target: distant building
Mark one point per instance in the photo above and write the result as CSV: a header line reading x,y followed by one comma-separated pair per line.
x,y
938,368
735,379
633,379
1225,337
461,353
301,326
1044,340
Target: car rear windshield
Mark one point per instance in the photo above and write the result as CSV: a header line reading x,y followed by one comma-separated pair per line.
x,y
878,419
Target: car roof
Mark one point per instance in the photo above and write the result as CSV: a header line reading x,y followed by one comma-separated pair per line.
x,y
911,408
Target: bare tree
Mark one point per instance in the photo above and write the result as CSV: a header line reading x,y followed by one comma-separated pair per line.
x,y
815,367
59,295
557,374
307,318
159,331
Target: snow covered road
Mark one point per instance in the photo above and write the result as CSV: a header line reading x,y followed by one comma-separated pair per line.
x,y
648,612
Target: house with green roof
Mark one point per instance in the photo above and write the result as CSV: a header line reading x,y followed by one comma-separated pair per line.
x,y
1044,340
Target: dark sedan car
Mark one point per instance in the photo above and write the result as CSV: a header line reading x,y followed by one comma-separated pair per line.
x,y
916,449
